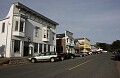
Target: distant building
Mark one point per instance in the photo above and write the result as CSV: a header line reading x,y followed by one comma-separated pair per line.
x,y
77,46
93,48
25,32
85,45
65,42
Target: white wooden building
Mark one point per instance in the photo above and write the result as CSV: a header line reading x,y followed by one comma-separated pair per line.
x,y
25,32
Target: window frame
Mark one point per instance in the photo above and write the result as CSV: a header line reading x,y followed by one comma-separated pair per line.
x,y
16,25
21,26
40,48
3,27
35,47
17,46
37,31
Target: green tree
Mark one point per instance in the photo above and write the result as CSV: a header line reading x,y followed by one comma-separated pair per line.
x,y
115,45
104,46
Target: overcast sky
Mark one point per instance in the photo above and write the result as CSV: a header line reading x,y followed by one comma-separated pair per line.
x,y
98,20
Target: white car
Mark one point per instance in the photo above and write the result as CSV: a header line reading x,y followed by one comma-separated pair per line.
x,y
90,53
46,56
104,51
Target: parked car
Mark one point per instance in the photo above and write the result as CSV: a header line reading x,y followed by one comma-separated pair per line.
x,y
82,54
70,55
63,56
117,55
77,54
46,56
90,53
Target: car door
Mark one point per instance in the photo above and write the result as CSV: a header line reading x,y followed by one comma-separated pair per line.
x,y
40,57
46,56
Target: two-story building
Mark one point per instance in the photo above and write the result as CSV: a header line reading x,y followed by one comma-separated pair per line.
x,y
25,32
65,42
85,45
77,46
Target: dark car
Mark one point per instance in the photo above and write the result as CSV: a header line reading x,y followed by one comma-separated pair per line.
x,y
63,56
117,55
70,55
77,54
82,54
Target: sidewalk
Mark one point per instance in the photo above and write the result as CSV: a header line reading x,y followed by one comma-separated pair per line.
x,y
13,61
4,60
118,66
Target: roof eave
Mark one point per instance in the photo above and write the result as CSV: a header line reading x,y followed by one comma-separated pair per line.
x,y
29,9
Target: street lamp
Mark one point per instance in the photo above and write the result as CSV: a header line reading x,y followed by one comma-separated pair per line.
x,y
29,41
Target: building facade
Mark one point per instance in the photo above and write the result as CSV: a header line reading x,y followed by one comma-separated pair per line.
x,y
65,42
77,46
25,32
85,45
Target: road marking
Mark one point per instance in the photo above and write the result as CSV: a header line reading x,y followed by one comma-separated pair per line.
x,y
80,64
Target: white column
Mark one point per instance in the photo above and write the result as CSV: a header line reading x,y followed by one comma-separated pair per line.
x,y
42,48
38,47
46,47
22,48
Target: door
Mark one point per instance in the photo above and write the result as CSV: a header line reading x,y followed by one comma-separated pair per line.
x,y
46,56
26,49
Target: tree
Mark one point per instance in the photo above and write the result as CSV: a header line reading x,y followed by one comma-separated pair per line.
x,y
104,46
115,45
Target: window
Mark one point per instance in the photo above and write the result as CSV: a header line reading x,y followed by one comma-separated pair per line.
x,y
67,40
36,31
54,49
21,26
16,26
47,33
44,47
47,54
52,53
44,33
40,48
16,46
53,36
48,47
35,47
3,27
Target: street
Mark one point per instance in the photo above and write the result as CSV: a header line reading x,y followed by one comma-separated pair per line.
x,y
94,66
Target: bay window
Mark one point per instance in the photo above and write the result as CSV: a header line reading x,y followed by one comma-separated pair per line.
x,y
21,26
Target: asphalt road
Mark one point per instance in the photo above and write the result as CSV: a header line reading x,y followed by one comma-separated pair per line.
x,y
95,66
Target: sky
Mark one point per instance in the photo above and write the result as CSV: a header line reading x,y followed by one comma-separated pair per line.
x,y
98,20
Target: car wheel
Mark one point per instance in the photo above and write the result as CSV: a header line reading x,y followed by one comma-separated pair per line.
x,y
72,57
33,60
62,58
52,60
80,55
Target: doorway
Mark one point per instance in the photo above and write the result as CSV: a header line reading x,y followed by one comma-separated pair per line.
x,y
26,49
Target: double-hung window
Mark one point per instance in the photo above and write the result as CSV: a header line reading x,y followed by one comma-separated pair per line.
x,y
3,27
36,31
45,33
16,26
21,26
